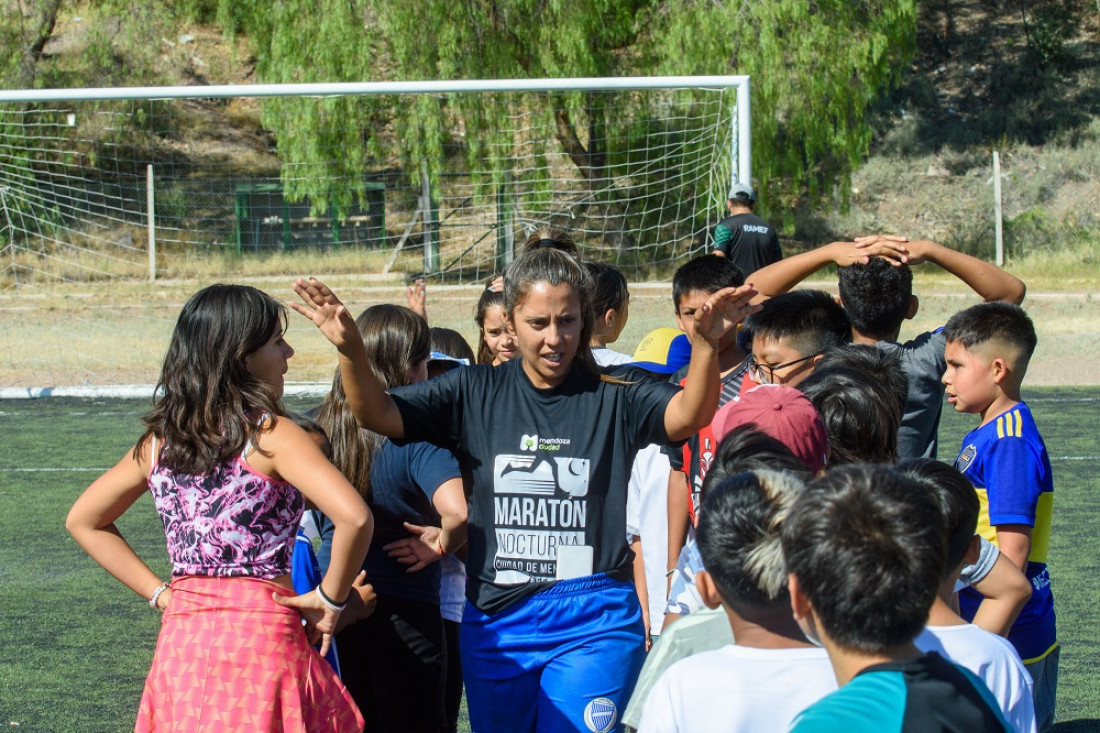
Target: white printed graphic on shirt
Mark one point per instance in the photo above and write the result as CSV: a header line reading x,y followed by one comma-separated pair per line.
x,y
539,505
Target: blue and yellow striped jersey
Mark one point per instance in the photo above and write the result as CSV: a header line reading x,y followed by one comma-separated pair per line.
x,y
1007,462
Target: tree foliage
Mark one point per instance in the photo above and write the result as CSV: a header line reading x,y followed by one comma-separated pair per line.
x,y
816,66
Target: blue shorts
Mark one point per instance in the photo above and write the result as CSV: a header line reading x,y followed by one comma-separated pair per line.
x,y
565,659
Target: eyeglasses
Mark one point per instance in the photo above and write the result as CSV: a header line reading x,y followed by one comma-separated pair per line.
x,y
765,373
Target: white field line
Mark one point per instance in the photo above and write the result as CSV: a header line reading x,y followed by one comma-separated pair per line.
x,y
52,470
136,391
104,468
292,389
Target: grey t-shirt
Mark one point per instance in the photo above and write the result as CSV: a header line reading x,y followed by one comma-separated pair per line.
x,y
923,363
701,631
987,558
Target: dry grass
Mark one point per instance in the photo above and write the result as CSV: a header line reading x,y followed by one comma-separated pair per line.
x,y
72,334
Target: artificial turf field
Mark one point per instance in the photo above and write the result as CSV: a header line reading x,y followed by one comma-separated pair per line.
x,y
75,644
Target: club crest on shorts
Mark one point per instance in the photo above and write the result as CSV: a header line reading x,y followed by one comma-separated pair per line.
x,y
600,715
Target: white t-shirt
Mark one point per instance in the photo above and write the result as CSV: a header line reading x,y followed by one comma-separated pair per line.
x,y
606,357
647,518
738,688
452,588
994,660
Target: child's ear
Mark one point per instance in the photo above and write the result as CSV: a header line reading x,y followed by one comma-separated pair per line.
x,y
914,306
800,604
973,551
999,368
610,318
708,591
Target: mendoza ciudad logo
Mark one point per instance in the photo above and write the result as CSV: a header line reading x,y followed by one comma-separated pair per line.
x,y
534,443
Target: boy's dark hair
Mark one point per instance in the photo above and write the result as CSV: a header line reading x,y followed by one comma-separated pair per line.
x,y
707,274
747,448
993,321
867,547
609,290
883,367
877,296
861,417
740,538
810,321
450,342
957,500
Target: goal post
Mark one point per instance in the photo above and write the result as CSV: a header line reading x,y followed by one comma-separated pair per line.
x,y
387,180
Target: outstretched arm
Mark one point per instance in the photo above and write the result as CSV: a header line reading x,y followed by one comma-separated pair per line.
x,y
984,278
691,409
372,406
781,276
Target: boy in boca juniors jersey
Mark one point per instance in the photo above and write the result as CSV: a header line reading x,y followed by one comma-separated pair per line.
x,y
987,353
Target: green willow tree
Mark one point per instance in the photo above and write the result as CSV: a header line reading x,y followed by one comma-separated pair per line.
x,y
816,69
816,66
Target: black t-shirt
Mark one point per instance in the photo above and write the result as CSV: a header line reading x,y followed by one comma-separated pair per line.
x,y
548,469
748,241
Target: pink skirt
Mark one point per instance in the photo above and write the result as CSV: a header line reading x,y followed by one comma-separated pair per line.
x,y
229,658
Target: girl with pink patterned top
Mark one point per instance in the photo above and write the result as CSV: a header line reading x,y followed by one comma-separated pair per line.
x,y
228,472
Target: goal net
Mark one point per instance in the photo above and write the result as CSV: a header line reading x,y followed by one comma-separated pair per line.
x,y
113,188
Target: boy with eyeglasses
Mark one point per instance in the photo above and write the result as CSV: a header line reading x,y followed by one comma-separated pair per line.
x,y
876,290
792,332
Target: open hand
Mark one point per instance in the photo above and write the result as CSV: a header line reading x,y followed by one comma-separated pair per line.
x,y
418,551
326,311
417,296
723,310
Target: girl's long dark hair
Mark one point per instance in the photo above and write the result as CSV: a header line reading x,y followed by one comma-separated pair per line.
x,y
396,339
207,405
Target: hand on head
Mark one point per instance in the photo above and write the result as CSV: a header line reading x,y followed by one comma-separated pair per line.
x,y
889,247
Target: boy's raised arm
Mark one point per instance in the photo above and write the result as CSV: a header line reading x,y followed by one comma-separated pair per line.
x,y
372,406
984,278
781,276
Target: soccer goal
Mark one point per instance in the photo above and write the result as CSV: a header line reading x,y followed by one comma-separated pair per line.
x,y
388,180
437,178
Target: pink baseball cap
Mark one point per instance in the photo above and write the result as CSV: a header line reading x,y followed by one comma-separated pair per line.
x,y
782,412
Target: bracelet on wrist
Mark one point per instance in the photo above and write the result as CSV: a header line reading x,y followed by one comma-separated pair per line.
x,y
329,603
156,595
